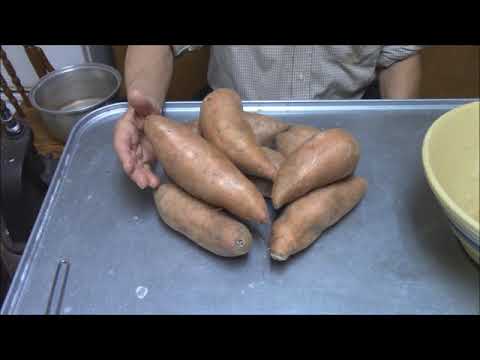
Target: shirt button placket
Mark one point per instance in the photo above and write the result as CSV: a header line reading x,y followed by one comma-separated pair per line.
x,y
297,76
303,60
294,71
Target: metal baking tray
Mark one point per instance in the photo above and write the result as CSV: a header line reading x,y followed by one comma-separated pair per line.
x,y
99,247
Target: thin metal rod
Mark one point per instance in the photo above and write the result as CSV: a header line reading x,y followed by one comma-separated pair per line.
x,y
58,288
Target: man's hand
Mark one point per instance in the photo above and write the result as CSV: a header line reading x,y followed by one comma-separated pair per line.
x,y
131,145
148,70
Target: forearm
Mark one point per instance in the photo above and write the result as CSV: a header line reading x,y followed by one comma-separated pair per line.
x,y
149,69
402,79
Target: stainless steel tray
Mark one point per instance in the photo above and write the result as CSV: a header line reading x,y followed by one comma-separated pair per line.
x,y
393,254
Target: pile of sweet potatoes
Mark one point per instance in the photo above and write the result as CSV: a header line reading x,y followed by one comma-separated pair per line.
x,y
222,166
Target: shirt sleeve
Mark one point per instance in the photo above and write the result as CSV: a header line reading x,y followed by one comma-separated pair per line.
x,y
392,54
181,49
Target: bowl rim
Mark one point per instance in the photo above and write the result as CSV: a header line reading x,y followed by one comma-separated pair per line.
x,y
430,174
70,68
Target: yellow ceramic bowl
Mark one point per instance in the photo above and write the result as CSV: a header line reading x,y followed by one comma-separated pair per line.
x,y
451,158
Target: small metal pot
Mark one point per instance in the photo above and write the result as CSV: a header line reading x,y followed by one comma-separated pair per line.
x,y
64,96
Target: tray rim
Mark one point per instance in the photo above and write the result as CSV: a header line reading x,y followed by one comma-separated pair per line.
x,y
18,283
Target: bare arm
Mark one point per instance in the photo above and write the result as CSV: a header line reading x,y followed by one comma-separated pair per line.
x,y
148,70
402,79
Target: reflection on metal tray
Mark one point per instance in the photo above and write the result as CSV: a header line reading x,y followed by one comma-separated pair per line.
x,y
394,253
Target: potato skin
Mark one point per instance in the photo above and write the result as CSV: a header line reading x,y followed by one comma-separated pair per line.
x,y
275,157
289,141
264,127
208,227
329,156
303,221
264,186
202,170
222,124
194,126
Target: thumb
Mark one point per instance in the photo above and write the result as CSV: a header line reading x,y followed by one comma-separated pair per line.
x,y
143,105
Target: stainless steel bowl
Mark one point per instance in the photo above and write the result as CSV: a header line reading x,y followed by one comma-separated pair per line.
x,y
64,96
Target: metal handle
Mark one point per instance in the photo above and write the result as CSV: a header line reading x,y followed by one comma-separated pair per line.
x,y
58,288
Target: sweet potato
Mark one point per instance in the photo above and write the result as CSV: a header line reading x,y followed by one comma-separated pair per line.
x,y
275,157
264,127
222,124
194,126
329,156
208,227
264,185
289,141
202,170
304,220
